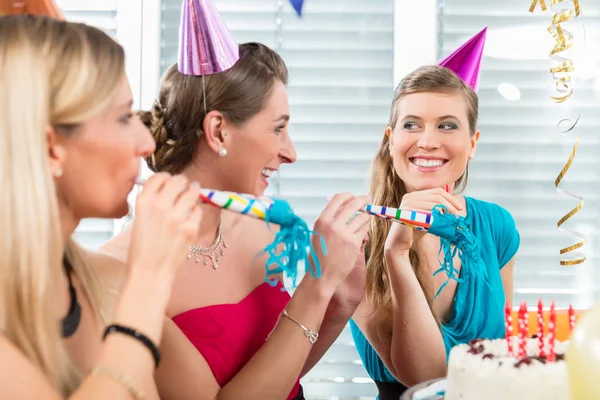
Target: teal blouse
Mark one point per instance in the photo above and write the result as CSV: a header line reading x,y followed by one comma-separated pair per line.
x,y
478,309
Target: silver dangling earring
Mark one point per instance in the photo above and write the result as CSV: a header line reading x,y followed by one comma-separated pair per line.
x,y
223,152
58,173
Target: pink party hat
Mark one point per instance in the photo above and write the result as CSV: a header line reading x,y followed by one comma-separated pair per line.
x,y
466,60
205,44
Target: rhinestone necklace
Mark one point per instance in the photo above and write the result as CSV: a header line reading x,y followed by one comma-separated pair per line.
x,y
215,251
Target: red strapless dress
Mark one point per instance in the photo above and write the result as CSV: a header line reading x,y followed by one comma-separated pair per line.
x,y
228,335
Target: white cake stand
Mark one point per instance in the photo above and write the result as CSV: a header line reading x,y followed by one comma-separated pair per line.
x,y
410,393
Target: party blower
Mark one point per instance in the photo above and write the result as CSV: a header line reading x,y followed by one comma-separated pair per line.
x,y
455,236
292,243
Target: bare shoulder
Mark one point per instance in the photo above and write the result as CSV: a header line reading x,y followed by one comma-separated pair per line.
x,y
110,260
118,246
107,266
30,382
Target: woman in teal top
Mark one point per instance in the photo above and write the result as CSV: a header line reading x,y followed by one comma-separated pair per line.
x,y
478,310
411,316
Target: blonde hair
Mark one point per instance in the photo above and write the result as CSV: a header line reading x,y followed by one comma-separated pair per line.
x,y
387,189
52,73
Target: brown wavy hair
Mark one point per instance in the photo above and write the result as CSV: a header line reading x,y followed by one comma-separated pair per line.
x,y
388,189
177,116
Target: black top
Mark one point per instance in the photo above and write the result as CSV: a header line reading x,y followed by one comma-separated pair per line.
x,y
70,323
300,394
390,390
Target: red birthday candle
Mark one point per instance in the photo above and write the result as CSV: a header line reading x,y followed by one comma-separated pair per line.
x,y
525,328
540,329
551,333
522,340
509,328
519,330
571,319
526,323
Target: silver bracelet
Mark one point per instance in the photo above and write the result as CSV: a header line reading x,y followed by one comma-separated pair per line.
x,y
309,333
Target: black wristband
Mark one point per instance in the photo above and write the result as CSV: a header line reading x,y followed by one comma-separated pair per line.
x,y
114,328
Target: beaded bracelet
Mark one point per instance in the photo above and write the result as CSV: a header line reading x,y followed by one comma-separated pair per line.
x,y
114,328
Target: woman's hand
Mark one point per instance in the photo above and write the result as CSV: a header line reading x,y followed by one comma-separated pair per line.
x,y
167,219
343,227
401,237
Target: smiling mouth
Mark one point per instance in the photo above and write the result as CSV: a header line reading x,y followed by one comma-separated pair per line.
x,y
427,163
267,172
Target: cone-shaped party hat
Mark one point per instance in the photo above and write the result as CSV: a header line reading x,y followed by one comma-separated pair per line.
x,y
466,60
205,44
35,7
297,4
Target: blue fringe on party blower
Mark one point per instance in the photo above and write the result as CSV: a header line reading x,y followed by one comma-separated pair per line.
x,y
292,244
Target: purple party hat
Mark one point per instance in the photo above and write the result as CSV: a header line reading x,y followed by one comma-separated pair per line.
x,y
205,44
466,60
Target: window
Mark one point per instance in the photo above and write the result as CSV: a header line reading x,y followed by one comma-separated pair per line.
x,y
521,152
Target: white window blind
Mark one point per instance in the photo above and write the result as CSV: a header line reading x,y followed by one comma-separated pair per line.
x,y
521,152
340,55
91,233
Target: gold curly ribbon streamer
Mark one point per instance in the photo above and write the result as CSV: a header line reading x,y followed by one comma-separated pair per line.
x,y
535,2
577,257
564,10
563,41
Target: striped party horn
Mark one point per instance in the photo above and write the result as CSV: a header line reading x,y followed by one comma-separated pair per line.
x,y
245,204
415,219
292,244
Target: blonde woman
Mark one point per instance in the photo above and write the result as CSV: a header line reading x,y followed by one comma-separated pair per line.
x,y
69,149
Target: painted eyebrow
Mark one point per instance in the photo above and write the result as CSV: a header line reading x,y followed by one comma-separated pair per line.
x,y
449,116
410,116
127,104
284,118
